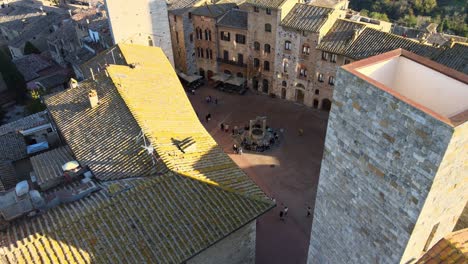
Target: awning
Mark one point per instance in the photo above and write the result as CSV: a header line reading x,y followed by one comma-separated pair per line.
x,y
189,78
222,77
237,81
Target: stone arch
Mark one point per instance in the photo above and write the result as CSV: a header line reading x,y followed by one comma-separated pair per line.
x,y
326,104
283,93
255,83
300,85
300,96
201,71
265,87
316,103
209,74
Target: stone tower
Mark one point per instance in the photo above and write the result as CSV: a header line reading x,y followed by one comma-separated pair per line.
x,y
143,22
394,175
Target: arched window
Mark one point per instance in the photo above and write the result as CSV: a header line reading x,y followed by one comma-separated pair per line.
x,y
267,48
317,92
287,45
265,86
256,45
331,80
206,34
266,65
305,49
256,63
326,104
267,27
285,65
209,35
302,71
284,83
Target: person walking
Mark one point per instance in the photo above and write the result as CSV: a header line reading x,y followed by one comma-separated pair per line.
x,y
285,211
309,211
222,126
281,215
234,147
240,151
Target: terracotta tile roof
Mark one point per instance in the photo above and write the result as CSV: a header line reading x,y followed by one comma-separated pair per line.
x,y
12,147
274,4
214,10
167,217
98,63
181,4
27,122
8,177
104,138
47,166
455,57
452,249
30,66
181,218
18,18
12,144
340,36
35,28
235,19
373,42
306,17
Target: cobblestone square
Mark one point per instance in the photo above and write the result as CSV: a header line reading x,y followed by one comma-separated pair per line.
x,y
288,172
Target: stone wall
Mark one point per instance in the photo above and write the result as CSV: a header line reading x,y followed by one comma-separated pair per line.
x,y
140,21
239,247
206,23
234,48
256,32
380,160
447,197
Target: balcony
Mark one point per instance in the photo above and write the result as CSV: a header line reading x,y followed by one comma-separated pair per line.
x,y
231,62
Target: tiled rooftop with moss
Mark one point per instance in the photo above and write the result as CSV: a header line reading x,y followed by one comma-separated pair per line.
x,y
193,196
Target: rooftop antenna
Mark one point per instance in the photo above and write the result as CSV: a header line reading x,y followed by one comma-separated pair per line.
x,y
147,146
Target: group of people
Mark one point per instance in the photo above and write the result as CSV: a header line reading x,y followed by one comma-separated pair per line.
x,y
237,149
209,99
283,213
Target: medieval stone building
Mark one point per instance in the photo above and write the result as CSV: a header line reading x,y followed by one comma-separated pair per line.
x,y
393,179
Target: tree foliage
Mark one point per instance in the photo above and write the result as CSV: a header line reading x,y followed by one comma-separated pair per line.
x,y
451,15
12,77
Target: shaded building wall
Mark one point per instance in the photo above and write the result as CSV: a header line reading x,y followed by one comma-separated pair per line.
x,y
380,160
447,197
234,49
178,42
238,247
327,69
206,23
139,22
256,32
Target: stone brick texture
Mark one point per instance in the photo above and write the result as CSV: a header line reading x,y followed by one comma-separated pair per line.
x,y
239,247
387,167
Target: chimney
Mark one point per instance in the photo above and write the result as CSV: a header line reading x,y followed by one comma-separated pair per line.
x,y
93,98
451,42
355,34
73,83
